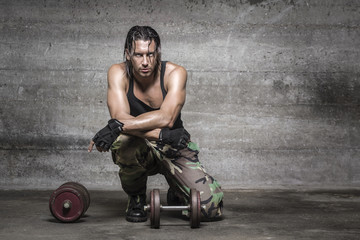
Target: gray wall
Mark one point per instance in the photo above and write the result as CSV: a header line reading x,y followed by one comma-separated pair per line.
x,y
272,98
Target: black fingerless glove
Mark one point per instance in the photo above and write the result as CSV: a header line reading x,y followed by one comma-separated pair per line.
x,y
177,138
106,136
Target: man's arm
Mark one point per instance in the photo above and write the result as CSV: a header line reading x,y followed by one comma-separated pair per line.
x,y
118,104
147,125
151,121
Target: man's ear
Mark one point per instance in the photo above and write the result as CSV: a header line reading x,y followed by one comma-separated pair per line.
x,y
127,54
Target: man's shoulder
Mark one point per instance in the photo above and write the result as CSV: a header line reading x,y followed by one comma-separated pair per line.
x,y
174,74
117,71
117,68
172,68
117,75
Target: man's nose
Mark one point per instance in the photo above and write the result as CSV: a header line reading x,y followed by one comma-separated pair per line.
x,y
145,60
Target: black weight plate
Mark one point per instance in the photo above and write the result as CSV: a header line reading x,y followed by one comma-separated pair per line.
x,y
194,208
155,208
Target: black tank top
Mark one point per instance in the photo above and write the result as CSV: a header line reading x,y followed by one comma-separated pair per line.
x,y
138,107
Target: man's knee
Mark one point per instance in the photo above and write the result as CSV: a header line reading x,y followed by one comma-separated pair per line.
x,y
125,148
134,152
212,208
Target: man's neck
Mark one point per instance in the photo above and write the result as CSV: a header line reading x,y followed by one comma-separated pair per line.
x,y
145,82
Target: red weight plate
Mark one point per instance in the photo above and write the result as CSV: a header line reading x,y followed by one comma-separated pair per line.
x,y
87,194
50,201
82,187
155,208
80,190
83,191
77,188
67,204
194,208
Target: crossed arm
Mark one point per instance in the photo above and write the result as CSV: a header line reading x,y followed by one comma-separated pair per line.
x,y
147,125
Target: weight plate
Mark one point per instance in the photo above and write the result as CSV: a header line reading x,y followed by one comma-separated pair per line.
x,y
83,188
66,204
152,220
83,191
194,208
80,190
155,208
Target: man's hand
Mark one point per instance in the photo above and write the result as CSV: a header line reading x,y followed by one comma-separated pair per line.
x,y
106,136
177,138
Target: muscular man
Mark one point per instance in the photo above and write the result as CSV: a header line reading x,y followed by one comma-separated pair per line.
x,y
145,133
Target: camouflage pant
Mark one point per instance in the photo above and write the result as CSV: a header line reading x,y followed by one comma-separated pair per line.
x,y
139,158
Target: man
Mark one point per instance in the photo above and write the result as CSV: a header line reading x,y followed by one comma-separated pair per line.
x,y
145,133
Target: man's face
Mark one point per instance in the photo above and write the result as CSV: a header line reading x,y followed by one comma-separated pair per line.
x,y
143,58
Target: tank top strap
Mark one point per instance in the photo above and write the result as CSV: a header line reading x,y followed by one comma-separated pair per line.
x,y
131,87
162,74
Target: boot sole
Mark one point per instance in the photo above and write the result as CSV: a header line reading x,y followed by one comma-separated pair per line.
x,y
136,219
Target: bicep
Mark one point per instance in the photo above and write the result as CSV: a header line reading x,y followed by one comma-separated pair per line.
x,y
116,96
176,95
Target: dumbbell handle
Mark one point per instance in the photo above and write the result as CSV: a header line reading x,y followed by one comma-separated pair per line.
x,y
174,208
169,208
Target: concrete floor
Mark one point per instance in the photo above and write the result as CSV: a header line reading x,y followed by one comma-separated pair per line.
x,y
260,214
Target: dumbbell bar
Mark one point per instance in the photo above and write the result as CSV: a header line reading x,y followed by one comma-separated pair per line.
x,y
155,208
69,202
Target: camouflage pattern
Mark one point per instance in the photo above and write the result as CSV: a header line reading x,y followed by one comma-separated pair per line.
x,y
139,158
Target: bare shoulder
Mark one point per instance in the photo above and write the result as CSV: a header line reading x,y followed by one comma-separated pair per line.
x,y
117,69
117,74
174,70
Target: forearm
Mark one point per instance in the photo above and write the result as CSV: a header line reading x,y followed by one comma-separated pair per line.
x,y
145,123
152,135
107,135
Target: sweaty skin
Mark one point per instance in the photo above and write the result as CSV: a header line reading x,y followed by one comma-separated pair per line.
x,y
147,89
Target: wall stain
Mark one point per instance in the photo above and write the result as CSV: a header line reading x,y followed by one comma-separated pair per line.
x,y
335,96
336,89
280,87
255,2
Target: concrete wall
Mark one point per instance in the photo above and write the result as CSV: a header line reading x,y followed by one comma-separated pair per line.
x,y
273,96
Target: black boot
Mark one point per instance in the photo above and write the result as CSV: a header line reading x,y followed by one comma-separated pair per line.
x,y
173,198
135,210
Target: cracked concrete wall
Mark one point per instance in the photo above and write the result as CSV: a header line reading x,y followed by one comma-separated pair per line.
x,y
272,96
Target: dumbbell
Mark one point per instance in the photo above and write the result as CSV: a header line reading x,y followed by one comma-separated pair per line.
x,y
155,208
69,202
